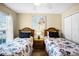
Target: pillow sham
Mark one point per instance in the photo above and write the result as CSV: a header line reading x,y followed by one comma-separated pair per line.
x,y
53,34
24,34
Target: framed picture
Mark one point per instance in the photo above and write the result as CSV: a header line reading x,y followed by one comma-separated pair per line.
x,y
39,24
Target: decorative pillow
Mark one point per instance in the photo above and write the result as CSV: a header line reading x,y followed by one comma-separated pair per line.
x,y
24,34
54,34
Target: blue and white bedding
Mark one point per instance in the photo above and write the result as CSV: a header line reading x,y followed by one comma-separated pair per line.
x,y
17,47
61,47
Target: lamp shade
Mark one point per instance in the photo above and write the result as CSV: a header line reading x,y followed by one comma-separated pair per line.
x,y
38,33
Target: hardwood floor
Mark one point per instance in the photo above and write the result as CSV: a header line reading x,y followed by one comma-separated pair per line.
x,y
39,52
39,48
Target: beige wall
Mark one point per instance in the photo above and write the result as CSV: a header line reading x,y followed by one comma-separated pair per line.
x,y
6,10
70,11
53,20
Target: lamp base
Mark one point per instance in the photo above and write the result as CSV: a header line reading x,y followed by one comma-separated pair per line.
x,y
38,37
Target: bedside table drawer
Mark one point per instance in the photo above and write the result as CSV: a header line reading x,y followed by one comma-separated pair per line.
x,y
38,44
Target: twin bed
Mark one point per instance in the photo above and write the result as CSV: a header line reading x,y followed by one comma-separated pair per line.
x,y
20,46
23,45
56,46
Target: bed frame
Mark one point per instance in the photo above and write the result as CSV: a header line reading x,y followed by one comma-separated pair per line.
x,y
27,29
51,29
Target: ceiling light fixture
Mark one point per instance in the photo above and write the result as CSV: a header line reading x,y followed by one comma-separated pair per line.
x,y
37,4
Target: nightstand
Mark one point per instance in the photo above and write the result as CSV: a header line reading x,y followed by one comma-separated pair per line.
x,y
38,43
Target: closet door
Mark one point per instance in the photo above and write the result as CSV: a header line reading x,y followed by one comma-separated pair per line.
x,y
67,27
75,27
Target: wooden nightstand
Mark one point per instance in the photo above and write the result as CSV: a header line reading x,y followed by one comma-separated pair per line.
x,y
38,43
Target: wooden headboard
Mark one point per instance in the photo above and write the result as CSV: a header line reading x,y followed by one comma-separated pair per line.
x,y
51,29
26,29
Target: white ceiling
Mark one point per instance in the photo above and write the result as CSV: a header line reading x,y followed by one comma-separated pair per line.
x,y
42,8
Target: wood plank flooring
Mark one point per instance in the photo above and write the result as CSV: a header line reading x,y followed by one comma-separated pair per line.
x,y
39,52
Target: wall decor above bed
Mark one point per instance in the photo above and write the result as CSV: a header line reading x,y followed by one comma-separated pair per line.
x,y
39,24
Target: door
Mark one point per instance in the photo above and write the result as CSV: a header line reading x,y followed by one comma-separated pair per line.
x,y
75,27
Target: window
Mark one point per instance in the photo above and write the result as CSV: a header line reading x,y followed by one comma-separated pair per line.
x,y
3,27
6,27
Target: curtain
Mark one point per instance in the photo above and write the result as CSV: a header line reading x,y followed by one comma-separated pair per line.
x,y
9,27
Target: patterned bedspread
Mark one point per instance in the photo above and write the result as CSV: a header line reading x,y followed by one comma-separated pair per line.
x,y
61,47
17,47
